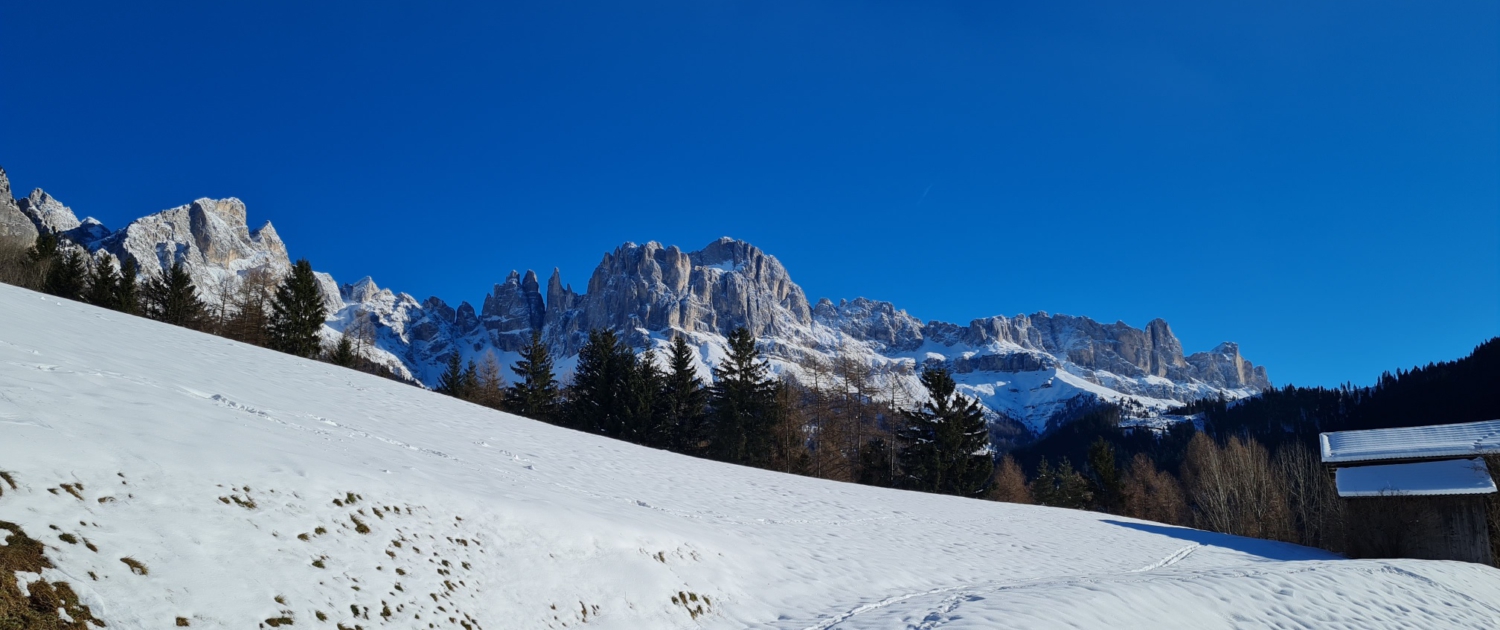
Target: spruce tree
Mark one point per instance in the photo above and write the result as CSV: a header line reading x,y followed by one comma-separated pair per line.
x,y
452,380
68,275
297,313
599,401
104,284
1104,477
173,299
127,294
1044,487
534,394
742,404
343,353
684,401
945,447
1072,488
645,403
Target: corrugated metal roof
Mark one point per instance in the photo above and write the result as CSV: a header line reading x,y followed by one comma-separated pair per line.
x,y
1442,440
1449,476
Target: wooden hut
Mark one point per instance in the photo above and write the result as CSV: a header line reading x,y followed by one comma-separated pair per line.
x,y
1416,492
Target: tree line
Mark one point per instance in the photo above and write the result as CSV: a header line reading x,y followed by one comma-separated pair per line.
x,y
281,313
1254,469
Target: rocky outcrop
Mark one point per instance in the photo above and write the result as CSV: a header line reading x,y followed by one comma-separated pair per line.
x,y
15,226
209,237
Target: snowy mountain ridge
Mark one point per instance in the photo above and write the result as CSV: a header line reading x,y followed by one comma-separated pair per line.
x,y
1028,370
171,478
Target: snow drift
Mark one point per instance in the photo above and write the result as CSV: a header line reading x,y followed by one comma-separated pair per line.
x,y
254,488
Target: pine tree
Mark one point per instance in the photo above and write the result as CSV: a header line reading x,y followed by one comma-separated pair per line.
x,y
945,447
297,313
742,404
535,394
684,401
104,284
127,293
173,299
68,276
343,353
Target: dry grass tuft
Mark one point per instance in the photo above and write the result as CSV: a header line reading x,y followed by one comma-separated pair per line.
x,y
182,622
75,489
135,566
45,606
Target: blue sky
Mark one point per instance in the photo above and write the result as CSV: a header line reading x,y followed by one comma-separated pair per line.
x,y
1317,181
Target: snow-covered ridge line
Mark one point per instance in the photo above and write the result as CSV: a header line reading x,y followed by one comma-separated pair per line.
x,y
1027,369
245,485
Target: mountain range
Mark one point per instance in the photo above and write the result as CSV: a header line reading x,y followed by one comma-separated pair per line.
x,y
1029,371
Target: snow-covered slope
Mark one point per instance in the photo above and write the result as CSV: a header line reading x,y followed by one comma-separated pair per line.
x,y
252,486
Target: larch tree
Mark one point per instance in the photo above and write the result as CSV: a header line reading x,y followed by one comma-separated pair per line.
x,y
1009,483
297,313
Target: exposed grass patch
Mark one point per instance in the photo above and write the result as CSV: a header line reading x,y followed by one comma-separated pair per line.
x,y
90,545
319,562
46,606
103,500
320,531
135,566
8,480
75,489
359,526
303,537
68,538
283,620
182,622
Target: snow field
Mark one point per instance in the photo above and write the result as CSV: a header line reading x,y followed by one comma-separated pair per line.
x,y
230,473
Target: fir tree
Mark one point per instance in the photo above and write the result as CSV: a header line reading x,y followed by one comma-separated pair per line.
x,y
68,276
684,401
534,394
297,313
127,294
343,353
173,299
742,403
945,446
104,284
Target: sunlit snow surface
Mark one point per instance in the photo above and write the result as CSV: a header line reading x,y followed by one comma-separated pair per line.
x,y
508,523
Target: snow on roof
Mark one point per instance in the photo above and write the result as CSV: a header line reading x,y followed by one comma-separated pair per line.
x,y
1449,476
1443,440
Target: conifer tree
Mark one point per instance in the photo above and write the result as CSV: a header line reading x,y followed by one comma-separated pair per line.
x,y
1104,477
945,446
645,411
534,394
68,276
43,250
173,299
297,313
489,386
127,292
1072,489
1009,483
1044,487
343,353
452,380
742,402
684,401
599,401
104,284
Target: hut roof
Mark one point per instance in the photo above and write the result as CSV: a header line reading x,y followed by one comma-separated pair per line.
x,y
1443,440
1451,476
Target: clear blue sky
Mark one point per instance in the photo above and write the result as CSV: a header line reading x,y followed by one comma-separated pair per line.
x,y
1317,181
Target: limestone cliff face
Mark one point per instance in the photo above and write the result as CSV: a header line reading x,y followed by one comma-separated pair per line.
x,y
15,226
209,237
